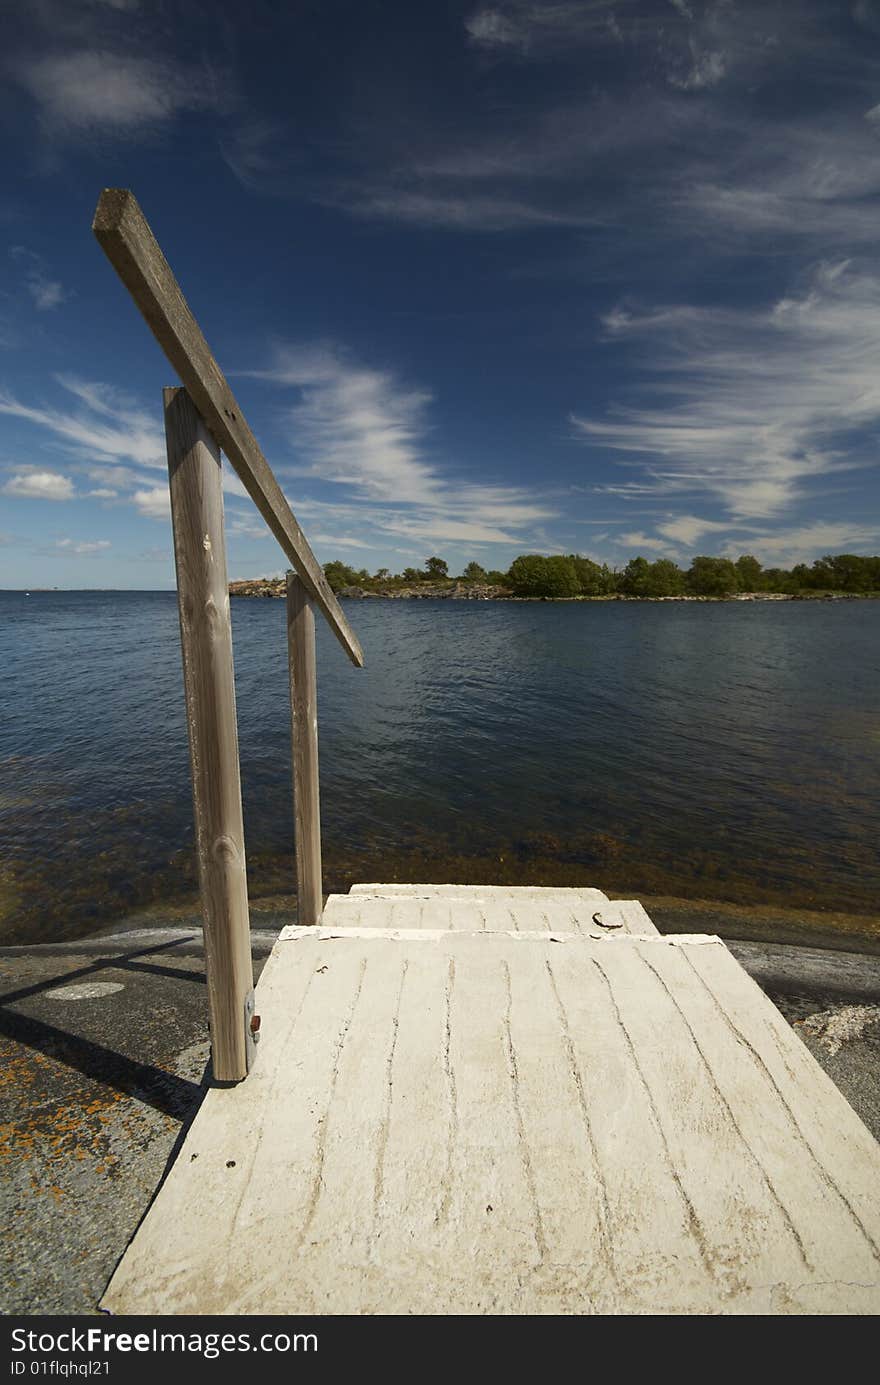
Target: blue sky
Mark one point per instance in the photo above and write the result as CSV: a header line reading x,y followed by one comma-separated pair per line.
x,y
487,278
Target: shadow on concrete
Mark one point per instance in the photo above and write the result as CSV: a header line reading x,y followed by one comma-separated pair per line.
x,y
125,961
164,1091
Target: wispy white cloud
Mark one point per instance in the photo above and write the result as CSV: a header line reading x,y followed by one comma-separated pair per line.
x,y
245,526
264,155
119,446
154,502
555,166
694,45
97,90
635,541
334,541
114,441
804,543
46,292
628,490
357,425
39,485
808,180
705,69
361,428
682,136
453,211
116,478
120,432
751,406
84,549
688,530
232,485
415,524
541,28
777,547
98,397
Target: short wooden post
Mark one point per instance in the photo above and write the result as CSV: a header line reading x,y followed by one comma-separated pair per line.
x,y
304,735
206,640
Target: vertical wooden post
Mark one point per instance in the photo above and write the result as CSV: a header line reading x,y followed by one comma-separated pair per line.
x,y
206,641
304,735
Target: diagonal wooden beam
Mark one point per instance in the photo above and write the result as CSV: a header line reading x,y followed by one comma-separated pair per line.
x,y
125,237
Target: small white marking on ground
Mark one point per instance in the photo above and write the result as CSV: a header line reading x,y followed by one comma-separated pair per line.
x,y
86,990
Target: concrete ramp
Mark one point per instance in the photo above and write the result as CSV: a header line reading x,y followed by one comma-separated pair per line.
x,y
484,909
541,1119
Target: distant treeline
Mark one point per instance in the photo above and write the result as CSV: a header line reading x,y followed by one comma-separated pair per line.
x,y
534,575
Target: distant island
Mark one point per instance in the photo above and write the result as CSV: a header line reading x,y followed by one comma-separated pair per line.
x,y
534,577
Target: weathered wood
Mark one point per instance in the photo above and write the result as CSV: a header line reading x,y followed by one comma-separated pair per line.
x,y
304,735
128,242
209,683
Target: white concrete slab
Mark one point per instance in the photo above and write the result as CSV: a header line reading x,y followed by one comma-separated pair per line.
x,y
582,911
469,1122
545,892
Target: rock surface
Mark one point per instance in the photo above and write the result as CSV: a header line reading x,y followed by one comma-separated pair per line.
x,y
424,591
487,591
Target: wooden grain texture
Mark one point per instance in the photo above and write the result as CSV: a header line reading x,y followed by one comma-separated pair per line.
x,y
304,737
209,683
125,236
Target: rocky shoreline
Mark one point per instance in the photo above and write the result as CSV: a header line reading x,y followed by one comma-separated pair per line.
x,y
423,591
452,590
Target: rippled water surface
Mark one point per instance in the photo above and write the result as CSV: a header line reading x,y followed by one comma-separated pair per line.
x,y
721,751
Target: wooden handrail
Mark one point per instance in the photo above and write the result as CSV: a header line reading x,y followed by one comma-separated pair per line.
x,y
200,419
123,233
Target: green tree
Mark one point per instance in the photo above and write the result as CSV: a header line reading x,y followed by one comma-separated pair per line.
x,y
641,578
497,579
563,579
528,574
748,573
339,575
436,568
850,572
777,579
712,577
665,578
634,578
534,575
593,580
822,575
412,574
474,573
803,578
